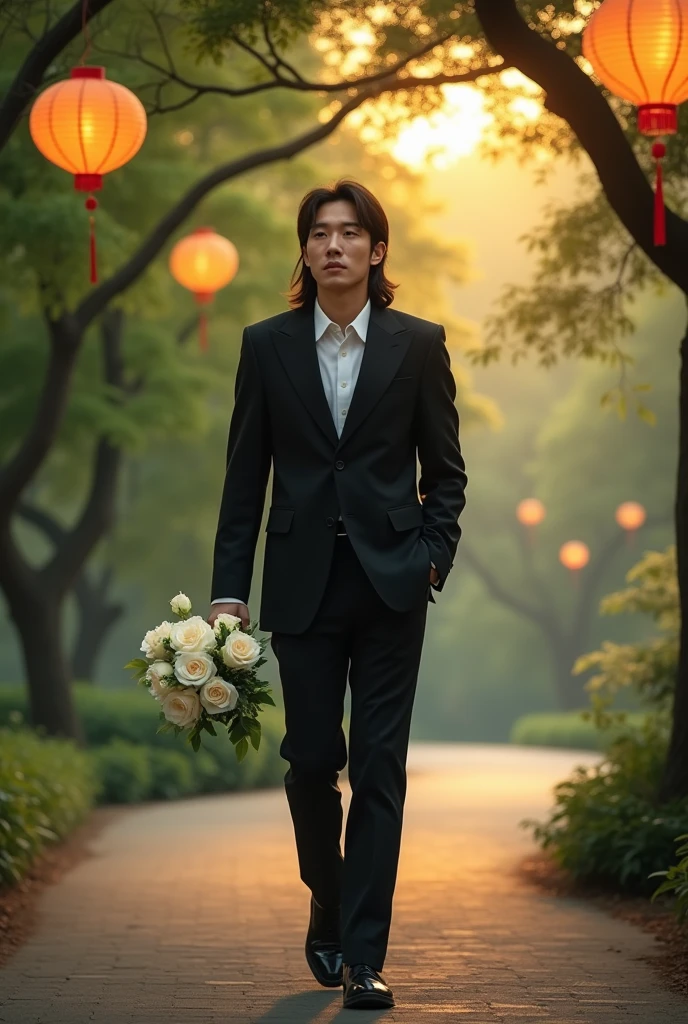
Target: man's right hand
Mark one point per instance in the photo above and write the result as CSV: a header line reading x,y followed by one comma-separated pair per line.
x,y
240,610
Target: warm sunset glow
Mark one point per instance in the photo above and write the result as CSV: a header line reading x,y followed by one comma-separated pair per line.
x,y
530,512
574,555
630,515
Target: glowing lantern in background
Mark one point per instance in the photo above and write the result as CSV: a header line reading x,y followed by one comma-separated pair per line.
x,y
630,516
88,126
530,512
639,50
574,555
204,262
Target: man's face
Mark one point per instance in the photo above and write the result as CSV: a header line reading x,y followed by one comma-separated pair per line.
x,y
338,249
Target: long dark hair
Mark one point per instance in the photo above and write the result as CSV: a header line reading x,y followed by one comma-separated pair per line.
x,y
371,216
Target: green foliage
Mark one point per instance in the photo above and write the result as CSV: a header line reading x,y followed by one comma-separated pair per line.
x,y
124,772
120,725
676,881
568,729
648,668
606,826
46,788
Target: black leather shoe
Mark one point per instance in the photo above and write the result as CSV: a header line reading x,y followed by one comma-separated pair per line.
x,y
365,989
323,946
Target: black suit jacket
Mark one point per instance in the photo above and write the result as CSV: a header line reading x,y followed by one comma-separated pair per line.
x,y
403,402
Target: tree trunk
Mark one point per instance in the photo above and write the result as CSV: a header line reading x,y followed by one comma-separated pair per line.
x,y
569,688
38,618
97,616
675,780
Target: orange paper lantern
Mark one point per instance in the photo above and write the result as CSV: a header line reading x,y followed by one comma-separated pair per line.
x,y
530,512
574,555
89,127
204,262
630,515
639,50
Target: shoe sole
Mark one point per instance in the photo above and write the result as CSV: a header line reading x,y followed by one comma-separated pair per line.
x,y
369,1001
326,983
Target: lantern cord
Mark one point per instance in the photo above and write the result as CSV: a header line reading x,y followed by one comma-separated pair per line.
x,y
91,204
658,152
86,32
203,330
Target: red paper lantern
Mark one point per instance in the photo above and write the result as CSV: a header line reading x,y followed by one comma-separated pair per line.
x,y
204,262
88,126
530,512
639,50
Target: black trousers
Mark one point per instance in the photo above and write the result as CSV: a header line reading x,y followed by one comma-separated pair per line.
x,y
355,633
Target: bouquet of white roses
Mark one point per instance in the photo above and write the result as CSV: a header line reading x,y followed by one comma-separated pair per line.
x,y
204,675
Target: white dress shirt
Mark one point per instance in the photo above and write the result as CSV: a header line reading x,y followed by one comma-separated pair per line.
x,y
339,355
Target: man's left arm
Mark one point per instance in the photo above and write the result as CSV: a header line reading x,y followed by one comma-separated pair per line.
x,y
442,469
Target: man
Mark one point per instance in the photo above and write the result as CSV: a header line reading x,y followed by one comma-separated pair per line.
x,y
338,394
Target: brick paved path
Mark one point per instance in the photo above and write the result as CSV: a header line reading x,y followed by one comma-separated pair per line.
x,y
193,911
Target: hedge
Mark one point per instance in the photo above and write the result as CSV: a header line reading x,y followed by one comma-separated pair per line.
x,y
47,787
135,763
567,729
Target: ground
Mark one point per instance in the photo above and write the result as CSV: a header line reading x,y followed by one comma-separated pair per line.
x,y
193,910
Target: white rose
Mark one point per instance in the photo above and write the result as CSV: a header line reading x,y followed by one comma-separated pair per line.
x,y
159,674
230,621
193,668
182,707
180,605
218,696
192,635
152,645
240,650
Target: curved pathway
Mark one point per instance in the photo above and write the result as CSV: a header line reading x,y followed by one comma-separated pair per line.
x,y
193,911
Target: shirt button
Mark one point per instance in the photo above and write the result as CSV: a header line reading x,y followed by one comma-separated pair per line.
x,y
339,464
329,521
343,383
343,352
343,412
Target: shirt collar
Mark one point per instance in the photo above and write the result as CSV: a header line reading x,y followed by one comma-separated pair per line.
x,y
360,324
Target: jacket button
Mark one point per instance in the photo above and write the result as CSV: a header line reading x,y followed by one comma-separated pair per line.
x,y
329,521
339,464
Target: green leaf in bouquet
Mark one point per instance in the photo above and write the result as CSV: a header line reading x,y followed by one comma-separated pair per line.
x,y
164,727
137,666
238,731
241,748
255,733
264,698
195,741
209,727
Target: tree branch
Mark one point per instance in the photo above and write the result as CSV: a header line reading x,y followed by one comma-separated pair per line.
x,y
540,616
573,96
30,74
99,297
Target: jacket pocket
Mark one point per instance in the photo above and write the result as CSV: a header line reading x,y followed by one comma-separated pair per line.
x,y
279,520
405,517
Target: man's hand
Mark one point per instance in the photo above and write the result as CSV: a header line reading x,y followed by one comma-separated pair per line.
x,y
434,575
240,610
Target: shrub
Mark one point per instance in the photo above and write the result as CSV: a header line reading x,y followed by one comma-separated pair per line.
x,y
46,788
568,729
124,772
131,716
676,881
608,825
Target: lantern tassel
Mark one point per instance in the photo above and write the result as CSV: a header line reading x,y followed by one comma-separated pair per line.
x,y
658,152
203,330
91,204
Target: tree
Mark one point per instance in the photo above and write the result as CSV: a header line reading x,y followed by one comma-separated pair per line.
x,y
35,597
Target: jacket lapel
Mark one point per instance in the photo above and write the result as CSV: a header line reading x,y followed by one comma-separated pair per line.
x,y
386,345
